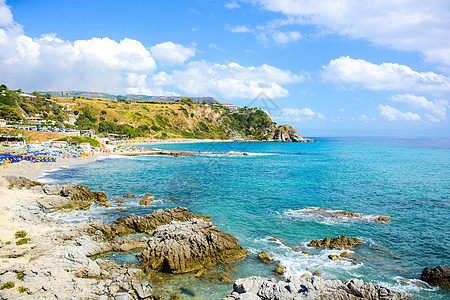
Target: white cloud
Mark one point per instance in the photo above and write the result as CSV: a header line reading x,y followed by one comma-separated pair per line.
x,y
232,4
392,114
437,109
171,54
284,37
6,17
386,76
228,80
238,28
300,115
411,25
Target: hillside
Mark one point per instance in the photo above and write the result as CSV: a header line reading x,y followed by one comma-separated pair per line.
x,y
182,119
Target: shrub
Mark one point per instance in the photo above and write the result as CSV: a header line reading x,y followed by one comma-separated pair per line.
x,y
20,234
23,241
20,275
22,289
7,285
8,243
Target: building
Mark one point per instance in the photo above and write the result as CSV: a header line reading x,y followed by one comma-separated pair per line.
x,y
2,123
231,107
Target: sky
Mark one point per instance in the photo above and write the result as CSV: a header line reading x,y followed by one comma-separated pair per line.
x,y
328,68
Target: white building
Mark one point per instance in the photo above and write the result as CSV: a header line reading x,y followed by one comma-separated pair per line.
x,y
231,107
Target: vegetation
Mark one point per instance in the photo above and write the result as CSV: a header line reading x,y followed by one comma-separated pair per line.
x,y
20,234
23,241
20,275
22,289
81,139
7,285
128,119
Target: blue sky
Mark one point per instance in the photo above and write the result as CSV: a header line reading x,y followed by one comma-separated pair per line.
x,y
329,67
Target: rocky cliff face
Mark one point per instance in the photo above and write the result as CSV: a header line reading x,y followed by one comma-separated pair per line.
x,y
285,133
181,247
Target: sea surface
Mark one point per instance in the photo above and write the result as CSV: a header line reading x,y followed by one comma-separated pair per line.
x,y
265,194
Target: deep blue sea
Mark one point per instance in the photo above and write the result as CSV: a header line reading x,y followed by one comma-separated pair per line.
x,y
264,195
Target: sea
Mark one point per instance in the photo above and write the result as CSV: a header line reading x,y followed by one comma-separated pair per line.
x,y
267,192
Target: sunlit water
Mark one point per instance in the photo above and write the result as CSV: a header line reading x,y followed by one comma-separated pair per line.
x,y
262,195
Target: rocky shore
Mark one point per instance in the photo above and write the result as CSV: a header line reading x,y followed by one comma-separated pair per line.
x,y
42,257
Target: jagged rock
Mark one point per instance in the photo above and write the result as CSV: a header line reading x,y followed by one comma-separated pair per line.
x,y
143,291
149,196
341,242
279,270
265,257
334,257
347,254
128,195
439,276
259,288
147,224
21,182
181,247
145,201
276,239
285,133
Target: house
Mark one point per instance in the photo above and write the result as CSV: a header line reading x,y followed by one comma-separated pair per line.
x,y
89,133
27,95
231,107
2,123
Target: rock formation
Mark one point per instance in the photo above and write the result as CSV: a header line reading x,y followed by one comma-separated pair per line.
x,y
265,257
339,214
285,133
256,288
341,242
439,276
181,247
67,196
146,224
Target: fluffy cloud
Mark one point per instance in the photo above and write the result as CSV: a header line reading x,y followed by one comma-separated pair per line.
x,y
386,76
392,114
6,17
437,109
228,80
409,25
171,54
232,4
300,115
238,28
279,37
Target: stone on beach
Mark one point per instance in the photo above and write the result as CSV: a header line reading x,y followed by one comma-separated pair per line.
x,y
181,247
259,288
342,242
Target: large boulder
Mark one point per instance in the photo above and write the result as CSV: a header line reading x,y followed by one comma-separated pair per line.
x,y
21,182
258,288
342,242
146,224
439,276
181,247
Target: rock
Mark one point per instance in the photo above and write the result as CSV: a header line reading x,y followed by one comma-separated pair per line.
x,y
309,288
316,273
181,247
224,278
149,196
306,252
265,257
145,201
339,214
128,195
285,133
439,276
334,257
142,290
279,270
295,248
201,273
382,219
276,239
21,182
146,224
347,254
341,242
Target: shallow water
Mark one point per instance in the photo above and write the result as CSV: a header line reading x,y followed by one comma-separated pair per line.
x,y
262,195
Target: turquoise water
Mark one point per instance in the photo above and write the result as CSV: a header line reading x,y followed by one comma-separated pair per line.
x,y
262,195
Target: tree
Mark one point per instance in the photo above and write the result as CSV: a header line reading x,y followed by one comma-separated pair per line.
x,y
9,113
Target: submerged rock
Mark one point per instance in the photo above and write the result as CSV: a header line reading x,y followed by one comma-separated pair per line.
x,y
341,242
309,288
439,276
146,224
181,247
